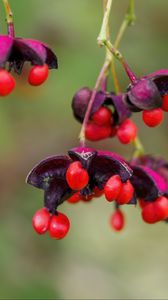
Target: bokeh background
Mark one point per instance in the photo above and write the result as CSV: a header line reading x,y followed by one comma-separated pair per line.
x,y
93,262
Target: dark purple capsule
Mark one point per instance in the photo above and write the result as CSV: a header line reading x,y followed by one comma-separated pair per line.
x,y
17,51
50,174
117,103
144,95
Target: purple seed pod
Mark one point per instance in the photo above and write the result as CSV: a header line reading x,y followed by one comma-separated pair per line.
x,y
160,78
50,173
150,161
16,51
146,93
121,109
80,103
150,177
117,103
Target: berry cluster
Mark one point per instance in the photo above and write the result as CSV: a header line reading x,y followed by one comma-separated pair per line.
x,y
115,189
110,113
109,116
155,211
100,126
58,225
14,52
82,175
85,174
152,190
149,95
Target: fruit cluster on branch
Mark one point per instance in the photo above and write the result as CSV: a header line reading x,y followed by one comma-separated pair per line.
x,y
86,173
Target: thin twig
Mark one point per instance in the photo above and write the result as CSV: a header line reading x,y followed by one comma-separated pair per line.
x,y
9,18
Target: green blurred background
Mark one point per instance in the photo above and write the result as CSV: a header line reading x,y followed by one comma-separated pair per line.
x,y
93,262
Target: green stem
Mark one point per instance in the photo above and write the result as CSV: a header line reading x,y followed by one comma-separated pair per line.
x,y
118,55
139,149
117,87
103,72
129,19
103,40
104,28
131,13
9,18
99,81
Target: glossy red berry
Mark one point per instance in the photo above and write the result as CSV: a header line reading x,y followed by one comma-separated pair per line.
x,y
59,226
127,132
95,132
161,208
113,188
38,74
41,220
142,203
103,116
87,198
149,213
7,83
165,103
126,193
75,198
97,192
152,117
117,220
76,176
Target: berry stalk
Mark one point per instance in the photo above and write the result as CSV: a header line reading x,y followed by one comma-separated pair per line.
x,y
104,28
129,19
99,80
139,149
9,18
102,77
117,54
104,41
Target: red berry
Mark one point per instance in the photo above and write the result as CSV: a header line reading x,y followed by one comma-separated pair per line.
x,y
117,220
76,176
103,116
149,213
165,103
127,132
59,226
113,188
126,193
38,74
74,198
97,193
41,220
156,211
87,198
142,203
161,208
7,83
152,117
94,132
